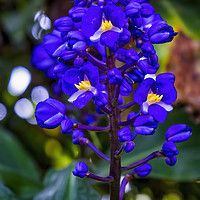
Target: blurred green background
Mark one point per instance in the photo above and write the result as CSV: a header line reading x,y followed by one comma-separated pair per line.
x,y
33,160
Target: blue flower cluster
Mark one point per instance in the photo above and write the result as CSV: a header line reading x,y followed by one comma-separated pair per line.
x,y
76,54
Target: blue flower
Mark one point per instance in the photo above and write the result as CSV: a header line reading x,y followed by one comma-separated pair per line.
x,y
76,13
169,149
115,76
50,113
161,32
143,170
155,96
145,125
125,134
171,160
178,133
77,134
80,84
66,126
80,170
128,146
104,24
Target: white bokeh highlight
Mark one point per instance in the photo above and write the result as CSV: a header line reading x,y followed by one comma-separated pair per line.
x,y
3,111
24,108
20,79
39,93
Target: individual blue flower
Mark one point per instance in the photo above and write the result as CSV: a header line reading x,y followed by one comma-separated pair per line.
x,y
104,24
66,126
147,49
126,87
50,113
171,160
80,170
63,24
76,135
73,42
161,32
169,149
145,125
156,96
80,84
125,134
178,133
128,146
115,76
76,13
143,170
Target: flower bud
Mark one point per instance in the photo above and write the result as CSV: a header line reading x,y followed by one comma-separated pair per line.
x,y
171,160
145,125
77,134
63,24
143,170
147,9
66,126
132,9
125,134
76,13
50,113
80,169
169,149
78,62
178,133
115,76
128,146
147,49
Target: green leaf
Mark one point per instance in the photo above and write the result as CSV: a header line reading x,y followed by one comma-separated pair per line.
x,y
187,167
17,169
183,15
63,185
6,194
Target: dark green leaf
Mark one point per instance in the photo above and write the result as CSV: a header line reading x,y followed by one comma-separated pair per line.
x,y
63,185
17,169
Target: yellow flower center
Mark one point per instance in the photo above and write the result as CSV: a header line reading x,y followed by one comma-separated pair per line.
x,y
152,98
106,25
83,85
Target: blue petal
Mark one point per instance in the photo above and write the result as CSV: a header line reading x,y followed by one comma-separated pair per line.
x,y
115,14
91,21
158,113
83,99
109,38
140,94
92,73
166,88
71,77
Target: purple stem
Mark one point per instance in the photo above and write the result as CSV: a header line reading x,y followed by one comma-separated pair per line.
x,y
98,178
122,187
106,110
128,105
116,94
100,64
155,154
90,128
129,122
119,152
91,146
